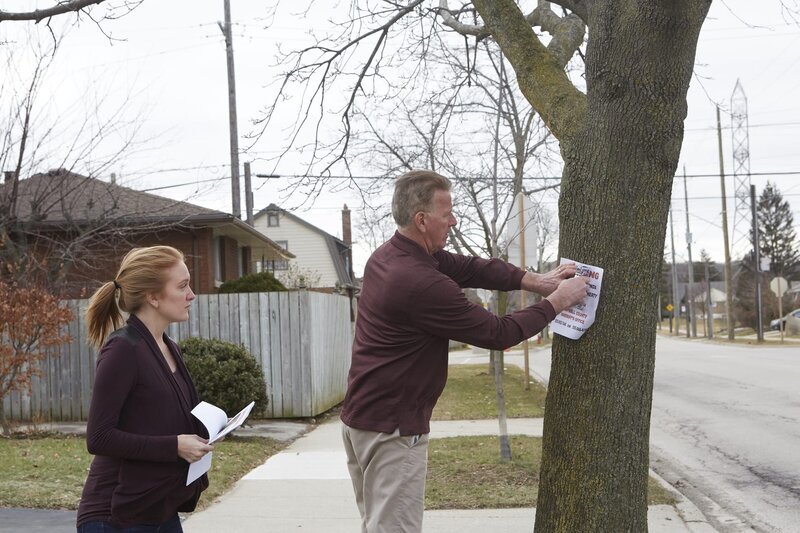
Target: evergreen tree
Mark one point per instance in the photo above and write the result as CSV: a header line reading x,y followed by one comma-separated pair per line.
x,y
777,240
700,268
777,236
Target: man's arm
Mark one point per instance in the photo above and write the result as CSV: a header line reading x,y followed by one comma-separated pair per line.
x,y
444,311
546,283
479,273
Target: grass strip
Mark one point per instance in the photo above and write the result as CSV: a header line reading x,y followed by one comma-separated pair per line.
x,y
466,473
470,395
48,471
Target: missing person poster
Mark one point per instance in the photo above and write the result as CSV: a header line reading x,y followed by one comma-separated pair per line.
x,y
574,321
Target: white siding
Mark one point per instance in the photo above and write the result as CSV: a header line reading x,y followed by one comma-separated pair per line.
x,y
309,247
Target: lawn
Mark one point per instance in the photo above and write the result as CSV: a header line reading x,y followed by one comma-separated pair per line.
x,y
48,471
466,473
470,395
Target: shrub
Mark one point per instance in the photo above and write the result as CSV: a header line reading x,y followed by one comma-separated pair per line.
x,y
31,322
260,282
225,374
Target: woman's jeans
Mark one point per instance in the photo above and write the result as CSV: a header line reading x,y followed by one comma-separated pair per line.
x,y
173,525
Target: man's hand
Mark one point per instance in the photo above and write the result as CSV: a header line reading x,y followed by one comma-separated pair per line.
x,y
192,448
546,283
569,292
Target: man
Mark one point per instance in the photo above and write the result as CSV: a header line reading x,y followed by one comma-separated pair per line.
x,y
411,304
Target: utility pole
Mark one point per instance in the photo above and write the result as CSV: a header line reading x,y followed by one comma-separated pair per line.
x,y
690,296
725,241
248,194
676,305
709,314
757,258
233,123
522,303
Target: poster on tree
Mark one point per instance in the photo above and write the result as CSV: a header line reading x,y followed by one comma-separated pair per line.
x,y
574,321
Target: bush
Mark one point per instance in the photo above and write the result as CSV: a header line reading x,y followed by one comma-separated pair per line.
x,y
261,282
225,374
31,321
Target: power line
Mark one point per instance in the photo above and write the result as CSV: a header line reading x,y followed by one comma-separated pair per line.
x,y
461,178
764,125
185,184
389,178
730,196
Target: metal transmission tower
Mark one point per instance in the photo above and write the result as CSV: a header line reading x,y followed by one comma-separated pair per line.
x,y
741,172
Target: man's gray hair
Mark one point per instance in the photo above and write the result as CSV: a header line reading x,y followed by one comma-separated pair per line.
x,y
413,192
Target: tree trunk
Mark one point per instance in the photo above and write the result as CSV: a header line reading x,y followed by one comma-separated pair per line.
x,y
613,210
504,441
5,427
498,367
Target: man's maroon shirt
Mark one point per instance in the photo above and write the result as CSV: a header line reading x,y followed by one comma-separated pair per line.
x,y
411,304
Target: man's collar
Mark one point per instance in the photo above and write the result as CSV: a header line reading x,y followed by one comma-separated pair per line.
x,y
410,246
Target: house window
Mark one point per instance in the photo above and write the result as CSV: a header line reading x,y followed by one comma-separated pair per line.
x,y
273,221
219,254
281,264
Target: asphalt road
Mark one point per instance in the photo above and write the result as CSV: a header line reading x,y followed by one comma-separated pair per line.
x,y
725,430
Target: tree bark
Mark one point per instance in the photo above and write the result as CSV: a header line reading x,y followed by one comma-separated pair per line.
x,y
621,148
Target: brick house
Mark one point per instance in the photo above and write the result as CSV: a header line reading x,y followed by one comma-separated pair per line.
x,y
78,228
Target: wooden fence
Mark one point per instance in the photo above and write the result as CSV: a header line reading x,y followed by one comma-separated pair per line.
x,y
301,339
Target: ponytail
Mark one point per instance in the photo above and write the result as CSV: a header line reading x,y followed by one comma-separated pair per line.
x,y
143,271
103,315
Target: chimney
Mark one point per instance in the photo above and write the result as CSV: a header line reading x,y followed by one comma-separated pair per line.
x,y
8,177
113,178
346,233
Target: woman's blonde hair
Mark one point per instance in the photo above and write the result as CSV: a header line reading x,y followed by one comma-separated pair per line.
x,y
143,271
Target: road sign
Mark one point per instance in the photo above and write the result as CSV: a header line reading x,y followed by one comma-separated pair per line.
x,y
669,307
779,286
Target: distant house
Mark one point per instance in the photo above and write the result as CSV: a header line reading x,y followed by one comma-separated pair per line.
x,y
78,228
322,260
701,292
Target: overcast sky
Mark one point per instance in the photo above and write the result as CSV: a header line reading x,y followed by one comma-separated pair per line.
x,y
170,65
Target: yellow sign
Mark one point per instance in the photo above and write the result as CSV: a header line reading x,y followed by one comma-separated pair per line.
x,y
669,307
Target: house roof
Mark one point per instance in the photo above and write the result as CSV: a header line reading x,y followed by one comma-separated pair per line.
x,y
59,197
337,247
717,295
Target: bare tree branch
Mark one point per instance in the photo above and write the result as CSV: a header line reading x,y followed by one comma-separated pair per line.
x,y
579,7
40,14
324,67
540,75
567,32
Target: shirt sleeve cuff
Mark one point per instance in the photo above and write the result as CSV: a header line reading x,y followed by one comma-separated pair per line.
x,y
548,309
516,280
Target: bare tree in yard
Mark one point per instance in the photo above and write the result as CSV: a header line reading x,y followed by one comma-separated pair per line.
x,y
31,321
480,131
56,224
620,142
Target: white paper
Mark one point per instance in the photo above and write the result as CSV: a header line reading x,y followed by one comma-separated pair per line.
x,y
216,422
574,321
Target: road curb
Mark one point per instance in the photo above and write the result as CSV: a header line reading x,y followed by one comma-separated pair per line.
x,y
692,516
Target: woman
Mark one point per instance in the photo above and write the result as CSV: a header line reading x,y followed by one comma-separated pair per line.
x,y
140,427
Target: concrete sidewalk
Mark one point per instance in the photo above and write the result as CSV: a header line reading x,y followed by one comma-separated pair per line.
x,y
307,487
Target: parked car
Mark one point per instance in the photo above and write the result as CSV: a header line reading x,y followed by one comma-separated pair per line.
x,y
789,320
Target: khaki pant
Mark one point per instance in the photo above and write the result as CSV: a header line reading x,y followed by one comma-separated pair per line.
x,y
388,473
